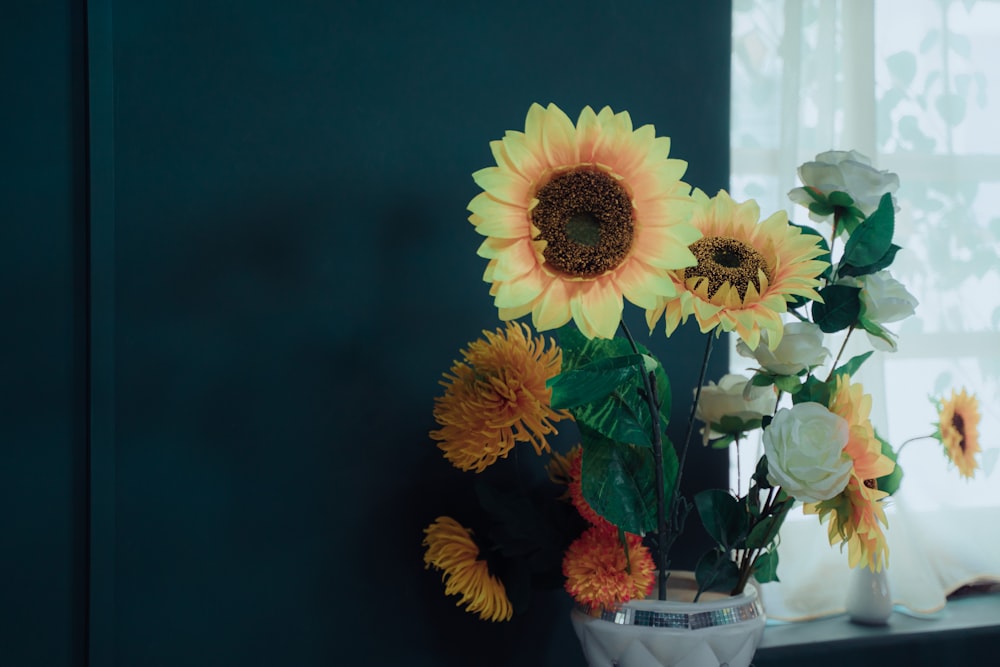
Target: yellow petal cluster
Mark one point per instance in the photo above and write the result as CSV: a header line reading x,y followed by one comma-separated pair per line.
x,y
856,515
785,267
450,548
526,268
496,397
958,431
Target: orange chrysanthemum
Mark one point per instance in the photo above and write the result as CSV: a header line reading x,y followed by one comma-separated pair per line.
x,y
856,515
496,397
958,431
601,573
746,272
578,217
450,548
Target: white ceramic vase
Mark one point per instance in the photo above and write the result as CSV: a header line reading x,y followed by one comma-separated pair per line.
x,y
717,631
869,600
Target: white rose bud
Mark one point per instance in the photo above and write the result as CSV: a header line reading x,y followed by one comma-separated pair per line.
x,y
804,446
884,299
733,396
800,349
845,171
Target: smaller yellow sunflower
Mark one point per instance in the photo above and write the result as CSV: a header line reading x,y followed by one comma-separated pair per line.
x,y
746,272
497,397
601,573
450,548
856,516
958,431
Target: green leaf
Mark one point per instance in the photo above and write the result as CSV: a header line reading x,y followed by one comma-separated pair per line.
x,y
760,474
619,483
840,308
821,209
853,364
841,199
884,262
716,571
762,380
872,238
723,442
725,519
788,383
765,567
594,381
813,390
889,483
765,531
734,424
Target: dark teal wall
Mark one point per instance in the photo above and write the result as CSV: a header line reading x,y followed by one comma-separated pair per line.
x,y
43,447
286,271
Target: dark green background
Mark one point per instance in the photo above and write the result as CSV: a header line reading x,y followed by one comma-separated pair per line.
x,y
236,263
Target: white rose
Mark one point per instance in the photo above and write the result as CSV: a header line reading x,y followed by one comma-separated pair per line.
x,y
804,446
845,171
733,396
884,299
800,349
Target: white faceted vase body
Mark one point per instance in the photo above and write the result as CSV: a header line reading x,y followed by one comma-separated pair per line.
x,y
869,600
717,631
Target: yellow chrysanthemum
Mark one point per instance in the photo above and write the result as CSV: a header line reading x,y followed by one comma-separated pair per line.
x,y
746,272
496,397
450,548
856,516
958,431
578,217
600,573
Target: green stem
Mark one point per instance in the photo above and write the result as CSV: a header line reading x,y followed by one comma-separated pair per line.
x,y
653,401
906,442
840,353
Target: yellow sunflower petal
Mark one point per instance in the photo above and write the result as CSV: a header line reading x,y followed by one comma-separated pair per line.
x,y
629,189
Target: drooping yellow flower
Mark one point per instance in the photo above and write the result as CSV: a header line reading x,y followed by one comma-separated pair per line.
x,y
746,272
601,573
450,548
958,431
579,216
856,516
496,397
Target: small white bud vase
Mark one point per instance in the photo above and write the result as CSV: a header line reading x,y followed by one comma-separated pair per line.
x,y
869,600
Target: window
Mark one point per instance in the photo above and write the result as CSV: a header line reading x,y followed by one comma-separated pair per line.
x,y
907,83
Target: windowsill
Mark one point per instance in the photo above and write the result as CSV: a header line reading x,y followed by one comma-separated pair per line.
x,y
967,623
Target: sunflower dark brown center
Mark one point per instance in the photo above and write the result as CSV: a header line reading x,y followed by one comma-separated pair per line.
x,y
959,423
870,483
722,259
585,218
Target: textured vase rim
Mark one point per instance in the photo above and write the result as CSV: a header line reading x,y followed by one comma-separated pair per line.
x,y
678,614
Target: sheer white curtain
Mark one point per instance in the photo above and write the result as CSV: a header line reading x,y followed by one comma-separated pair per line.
x,y
913,85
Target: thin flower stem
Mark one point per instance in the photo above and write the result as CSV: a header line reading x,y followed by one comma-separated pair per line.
x,y
906,442
694,408
653,401
843,346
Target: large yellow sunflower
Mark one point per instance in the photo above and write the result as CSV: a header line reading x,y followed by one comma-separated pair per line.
x,y
746,272
958,431
856,516
601,573
579,216
496,397
450,548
